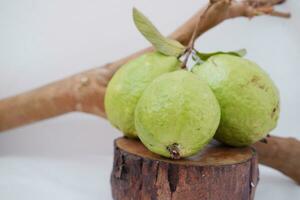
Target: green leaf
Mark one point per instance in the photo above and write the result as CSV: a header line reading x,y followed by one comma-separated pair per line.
x,y
162,44
205,56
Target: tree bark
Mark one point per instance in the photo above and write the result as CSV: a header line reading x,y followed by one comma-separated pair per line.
x,y
217,173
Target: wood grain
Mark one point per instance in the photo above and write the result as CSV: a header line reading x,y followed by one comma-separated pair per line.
x,y
217,173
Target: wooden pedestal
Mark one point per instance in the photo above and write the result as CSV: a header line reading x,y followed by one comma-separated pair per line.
x,y
216,173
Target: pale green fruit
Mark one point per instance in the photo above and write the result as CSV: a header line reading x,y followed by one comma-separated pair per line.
x,y
128,84
177,115
248,98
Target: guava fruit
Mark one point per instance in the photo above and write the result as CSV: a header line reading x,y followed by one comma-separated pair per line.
x,y
248,98
177,115
128,84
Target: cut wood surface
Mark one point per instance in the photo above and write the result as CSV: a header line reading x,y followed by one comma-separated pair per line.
x,y
216,173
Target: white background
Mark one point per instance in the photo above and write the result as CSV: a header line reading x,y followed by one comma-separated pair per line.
x,y
69,157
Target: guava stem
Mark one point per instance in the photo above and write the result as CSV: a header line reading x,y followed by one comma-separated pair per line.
x,y
191,44
187,55
174,151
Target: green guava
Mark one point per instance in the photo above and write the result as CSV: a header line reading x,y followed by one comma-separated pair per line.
x,y
177,115
128,84
248,98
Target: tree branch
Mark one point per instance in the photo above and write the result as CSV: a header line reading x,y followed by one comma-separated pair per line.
x,y
72,94
282,154
85,91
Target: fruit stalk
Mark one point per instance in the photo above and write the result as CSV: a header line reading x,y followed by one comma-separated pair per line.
x,y
191,44
85,91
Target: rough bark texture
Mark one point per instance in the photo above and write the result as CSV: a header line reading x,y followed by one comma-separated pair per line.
x,y
218,173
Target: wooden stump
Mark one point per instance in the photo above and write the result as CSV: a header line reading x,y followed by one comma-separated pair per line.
x,y
217,173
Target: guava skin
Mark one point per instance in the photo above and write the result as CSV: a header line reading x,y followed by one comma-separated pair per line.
x,y
128,84
248,98
177,108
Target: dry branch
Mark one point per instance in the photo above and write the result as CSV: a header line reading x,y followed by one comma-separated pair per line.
x,y
85,91
282,154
